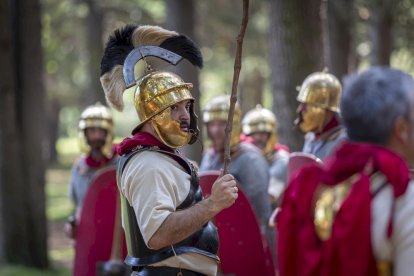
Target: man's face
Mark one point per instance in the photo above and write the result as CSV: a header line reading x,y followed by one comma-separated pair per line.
x,y
215,130
172,126
260,138
95,137
180,112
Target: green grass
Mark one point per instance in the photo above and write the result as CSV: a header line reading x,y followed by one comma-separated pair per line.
x,y
10,270
68,149
61,254
68,146
59,206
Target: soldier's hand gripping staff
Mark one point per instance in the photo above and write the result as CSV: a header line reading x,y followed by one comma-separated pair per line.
x,y
165,217
318,113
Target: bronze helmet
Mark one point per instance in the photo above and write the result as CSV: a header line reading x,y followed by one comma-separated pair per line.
x,y
320,91
261,119
218,109
156,90
100,116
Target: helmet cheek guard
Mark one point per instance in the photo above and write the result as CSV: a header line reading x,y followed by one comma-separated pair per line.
x,y
313,119
320,92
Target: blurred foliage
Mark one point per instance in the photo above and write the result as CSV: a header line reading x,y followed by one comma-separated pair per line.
x,y
403,37
65,57
59,206
217,25
218,40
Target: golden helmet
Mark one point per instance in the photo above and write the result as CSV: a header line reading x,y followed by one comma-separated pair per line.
x,y
156,92
321,89
99,116
261,119
218,109
321,92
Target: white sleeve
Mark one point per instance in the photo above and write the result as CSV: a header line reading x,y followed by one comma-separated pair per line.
x,y
403,236
151,197
152,191
399,250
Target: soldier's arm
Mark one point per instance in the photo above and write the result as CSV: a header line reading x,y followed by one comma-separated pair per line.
x,y
72,182
181,224
70,225
403,237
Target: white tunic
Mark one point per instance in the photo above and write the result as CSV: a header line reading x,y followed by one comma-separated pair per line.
x,y
399,250
155,185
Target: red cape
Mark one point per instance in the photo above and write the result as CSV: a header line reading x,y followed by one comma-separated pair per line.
x,y
334,122
139,139
92,163
349,250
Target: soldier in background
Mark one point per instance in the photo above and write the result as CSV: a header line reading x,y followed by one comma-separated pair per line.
x,y
353,215
260,125
95,138
248,164
318,114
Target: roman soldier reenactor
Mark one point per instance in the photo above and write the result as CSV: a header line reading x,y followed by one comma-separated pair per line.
x,y
318,114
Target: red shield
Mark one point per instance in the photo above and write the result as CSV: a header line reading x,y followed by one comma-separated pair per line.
x,y
95,230
243,249
298,160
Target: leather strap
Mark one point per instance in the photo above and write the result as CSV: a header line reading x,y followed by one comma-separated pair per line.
x,y
164,271
167,253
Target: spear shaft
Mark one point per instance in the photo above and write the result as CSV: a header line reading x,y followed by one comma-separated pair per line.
x,y
233,97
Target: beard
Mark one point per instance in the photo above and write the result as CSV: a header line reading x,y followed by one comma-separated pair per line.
x,y
96,144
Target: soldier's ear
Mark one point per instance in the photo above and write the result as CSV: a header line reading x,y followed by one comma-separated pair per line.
x,y
401,130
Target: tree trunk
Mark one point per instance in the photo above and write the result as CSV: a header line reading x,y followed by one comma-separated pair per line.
x,y
53,111
22,195
338,27
251,91
181,17
9,141
295,52
94,48
380,31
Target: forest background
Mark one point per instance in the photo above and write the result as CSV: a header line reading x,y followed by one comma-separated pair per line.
x,y
50,55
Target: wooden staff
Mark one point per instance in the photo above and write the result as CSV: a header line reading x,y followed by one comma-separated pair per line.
x,y
233,97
